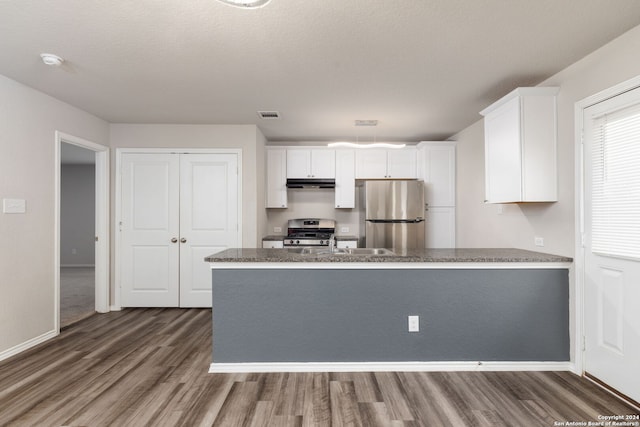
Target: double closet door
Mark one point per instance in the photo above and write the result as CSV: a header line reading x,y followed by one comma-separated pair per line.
x,y
175,210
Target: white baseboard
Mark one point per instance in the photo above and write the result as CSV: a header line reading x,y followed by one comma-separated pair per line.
x,y
388,367
27,344
115,308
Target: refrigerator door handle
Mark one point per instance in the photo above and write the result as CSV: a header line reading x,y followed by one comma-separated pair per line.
x,y
395,221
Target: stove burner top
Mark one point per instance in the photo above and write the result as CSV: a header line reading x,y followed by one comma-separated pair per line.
x,y
309,232
309,235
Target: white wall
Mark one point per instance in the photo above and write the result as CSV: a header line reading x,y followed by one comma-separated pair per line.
x,y
314,203
28,121
480,225
77,215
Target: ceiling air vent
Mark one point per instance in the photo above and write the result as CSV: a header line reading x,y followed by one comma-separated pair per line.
x,y
269,115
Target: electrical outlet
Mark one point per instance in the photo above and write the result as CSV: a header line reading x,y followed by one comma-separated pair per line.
x,y
277,229
539,241
74,251
344,229
414,323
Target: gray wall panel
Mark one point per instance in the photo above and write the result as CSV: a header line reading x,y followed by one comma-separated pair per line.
x,y
77,215
299,315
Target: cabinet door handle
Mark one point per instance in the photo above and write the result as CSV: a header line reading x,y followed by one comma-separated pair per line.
x,y
174,240
183,240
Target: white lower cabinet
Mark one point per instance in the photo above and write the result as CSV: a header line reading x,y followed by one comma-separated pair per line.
x,y
440,227
272,244
346,244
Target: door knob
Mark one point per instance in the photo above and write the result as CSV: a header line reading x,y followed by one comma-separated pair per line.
x,y
183,240
174,240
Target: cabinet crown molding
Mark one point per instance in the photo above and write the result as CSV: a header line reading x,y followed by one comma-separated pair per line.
x,y
521,92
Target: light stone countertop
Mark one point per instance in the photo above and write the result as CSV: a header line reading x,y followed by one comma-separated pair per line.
x,y
458,255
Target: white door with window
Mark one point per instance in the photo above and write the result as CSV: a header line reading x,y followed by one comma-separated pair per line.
x,y
612,242
176,209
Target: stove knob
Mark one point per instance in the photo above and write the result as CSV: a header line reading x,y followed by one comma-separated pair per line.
x,y
321,242
297,242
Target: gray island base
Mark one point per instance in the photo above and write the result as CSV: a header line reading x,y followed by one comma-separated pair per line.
x,y
317,314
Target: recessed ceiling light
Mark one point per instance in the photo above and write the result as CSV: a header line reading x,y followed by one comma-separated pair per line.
x,y
51,59
246,4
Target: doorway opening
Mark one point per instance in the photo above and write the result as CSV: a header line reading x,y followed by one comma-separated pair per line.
x,y
77,233
82,262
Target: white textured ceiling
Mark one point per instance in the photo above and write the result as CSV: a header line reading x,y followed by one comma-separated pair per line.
x,y
423,68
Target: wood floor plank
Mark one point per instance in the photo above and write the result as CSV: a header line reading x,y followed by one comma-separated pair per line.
x,y
394,396
239,403
344,405
262,414
374,414
319,414
149,367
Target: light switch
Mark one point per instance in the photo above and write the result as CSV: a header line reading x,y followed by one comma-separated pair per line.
x,y
14,206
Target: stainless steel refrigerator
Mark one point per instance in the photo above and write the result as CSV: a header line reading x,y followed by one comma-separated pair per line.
x,y
394,214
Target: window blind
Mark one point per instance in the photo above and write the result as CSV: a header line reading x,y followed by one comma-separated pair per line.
x,y
616,183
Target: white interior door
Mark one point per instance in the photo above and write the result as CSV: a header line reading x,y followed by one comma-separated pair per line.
x,y
149,230
612,242
208,220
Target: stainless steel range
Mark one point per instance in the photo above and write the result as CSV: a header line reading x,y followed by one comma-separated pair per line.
x,y
309,232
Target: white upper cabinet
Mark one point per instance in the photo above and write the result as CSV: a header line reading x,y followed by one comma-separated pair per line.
x,y
311,163
437,168
371,163
345,179
402,163
276,178
520,147
391,164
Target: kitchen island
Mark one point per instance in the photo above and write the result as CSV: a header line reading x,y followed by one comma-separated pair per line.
x,y
282,310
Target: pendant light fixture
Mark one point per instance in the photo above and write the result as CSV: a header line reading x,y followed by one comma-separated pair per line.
x,y
374,144
246,4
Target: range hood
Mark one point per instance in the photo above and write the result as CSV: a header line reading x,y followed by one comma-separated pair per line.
x,y
311,183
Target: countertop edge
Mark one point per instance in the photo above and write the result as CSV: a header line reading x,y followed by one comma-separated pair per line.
x,y
389,265
477,256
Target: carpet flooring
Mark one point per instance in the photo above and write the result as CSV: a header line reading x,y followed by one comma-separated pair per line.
x,y
77,294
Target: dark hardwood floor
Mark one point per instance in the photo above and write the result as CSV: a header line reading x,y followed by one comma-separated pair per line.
x,y
149,367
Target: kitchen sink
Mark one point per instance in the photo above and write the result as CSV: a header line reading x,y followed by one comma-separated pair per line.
x,y
367,251
342,251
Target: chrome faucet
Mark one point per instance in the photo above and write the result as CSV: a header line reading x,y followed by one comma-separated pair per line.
x,y
332,243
